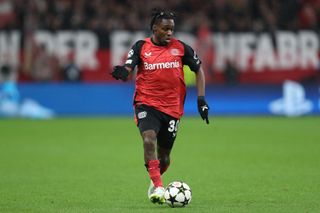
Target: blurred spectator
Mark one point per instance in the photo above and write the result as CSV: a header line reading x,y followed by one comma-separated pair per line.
x,y
200,17
308,15
224,15
231,74
268,11
288,14
70,71
45,67
7,15
9,89
239,15
204,47
11,104
9,94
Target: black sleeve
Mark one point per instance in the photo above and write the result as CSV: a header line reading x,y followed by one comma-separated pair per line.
x,y
190,58
133,57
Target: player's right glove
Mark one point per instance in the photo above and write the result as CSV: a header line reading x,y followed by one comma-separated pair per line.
x,y
120,72
203,108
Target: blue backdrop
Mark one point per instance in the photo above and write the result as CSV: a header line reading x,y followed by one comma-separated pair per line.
x,y
116,99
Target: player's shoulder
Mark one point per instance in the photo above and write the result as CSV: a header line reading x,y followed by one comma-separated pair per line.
x,y
139,43
185,45
176,43
137,46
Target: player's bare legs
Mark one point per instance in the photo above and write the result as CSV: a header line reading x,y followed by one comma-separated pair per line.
x,y
153,165
149,144
164,158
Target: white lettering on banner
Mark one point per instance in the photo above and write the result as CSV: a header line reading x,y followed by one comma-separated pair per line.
x,y
166,65
249,51
291,50
264,57
9,47
225,48
246,40
64,43
309,44
86,46
121,42
84,43
47,39
287,50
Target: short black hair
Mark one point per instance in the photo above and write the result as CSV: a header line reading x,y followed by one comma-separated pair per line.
x,y
158,15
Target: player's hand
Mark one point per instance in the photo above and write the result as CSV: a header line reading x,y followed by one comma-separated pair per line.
x,y
203,108
120,72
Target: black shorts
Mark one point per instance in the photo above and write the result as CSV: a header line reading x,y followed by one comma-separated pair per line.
x,y
166,126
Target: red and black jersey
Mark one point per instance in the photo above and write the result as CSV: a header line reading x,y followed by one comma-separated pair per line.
x,y
160,78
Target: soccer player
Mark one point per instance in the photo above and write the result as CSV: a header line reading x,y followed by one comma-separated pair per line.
x,y
160,93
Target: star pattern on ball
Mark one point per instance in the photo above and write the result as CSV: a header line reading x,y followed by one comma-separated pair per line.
x,y
178,194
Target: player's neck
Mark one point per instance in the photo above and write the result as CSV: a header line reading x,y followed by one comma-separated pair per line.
x,y
153,40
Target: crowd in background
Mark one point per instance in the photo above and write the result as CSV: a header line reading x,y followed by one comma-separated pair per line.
x,y
200,17
108,15
104,16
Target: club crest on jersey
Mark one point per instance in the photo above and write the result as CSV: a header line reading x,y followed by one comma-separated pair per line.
x,y
195,57
129,61
147,55
174,52
142,114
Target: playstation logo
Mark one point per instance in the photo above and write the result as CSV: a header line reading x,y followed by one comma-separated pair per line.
x,y
293,103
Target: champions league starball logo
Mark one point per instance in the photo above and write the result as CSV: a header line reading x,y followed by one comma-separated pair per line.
x,y
130,53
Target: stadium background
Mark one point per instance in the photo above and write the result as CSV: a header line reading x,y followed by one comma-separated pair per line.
x,y
245,46
261,59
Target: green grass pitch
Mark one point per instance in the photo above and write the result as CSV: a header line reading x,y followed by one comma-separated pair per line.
x,y
235,164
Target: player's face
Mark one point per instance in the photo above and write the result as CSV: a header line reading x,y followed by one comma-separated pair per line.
x,y
163,31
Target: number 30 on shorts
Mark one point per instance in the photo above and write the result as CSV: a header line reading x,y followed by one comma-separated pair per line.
x,y
173,126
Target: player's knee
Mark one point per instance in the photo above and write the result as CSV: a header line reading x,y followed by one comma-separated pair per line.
x,y
149,139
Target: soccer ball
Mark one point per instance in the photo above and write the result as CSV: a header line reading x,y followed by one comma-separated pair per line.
x,y
177,194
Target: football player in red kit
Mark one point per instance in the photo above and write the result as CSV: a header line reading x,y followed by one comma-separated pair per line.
x,y
160,93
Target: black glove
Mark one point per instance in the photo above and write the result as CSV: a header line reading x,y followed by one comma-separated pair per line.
x,y
120,72
203,108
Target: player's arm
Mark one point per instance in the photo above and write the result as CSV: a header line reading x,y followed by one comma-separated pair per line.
x,y
200,82
203,107
133,59
191,59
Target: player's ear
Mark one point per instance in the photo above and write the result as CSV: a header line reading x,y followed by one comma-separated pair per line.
x,y
154,27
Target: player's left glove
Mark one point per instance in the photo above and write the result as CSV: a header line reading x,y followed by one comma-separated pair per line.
x,y
120,72
203,108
